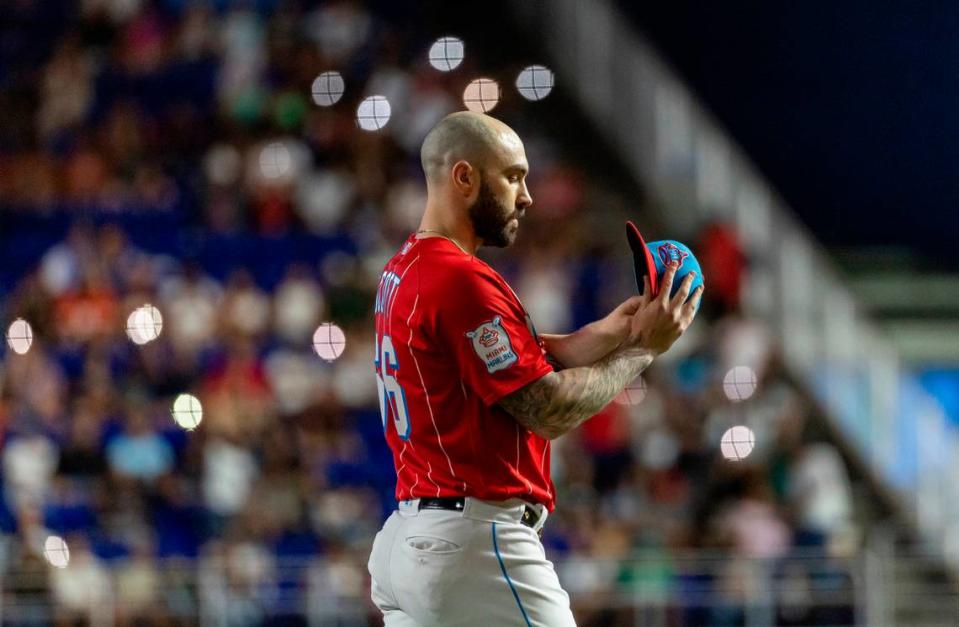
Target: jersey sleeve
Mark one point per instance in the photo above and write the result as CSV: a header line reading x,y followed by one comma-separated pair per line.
x,y
487,332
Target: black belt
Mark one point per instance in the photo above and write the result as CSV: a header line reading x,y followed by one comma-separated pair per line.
x,y
456,503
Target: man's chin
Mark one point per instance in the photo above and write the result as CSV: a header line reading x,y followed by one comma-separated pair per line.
x,y
504,239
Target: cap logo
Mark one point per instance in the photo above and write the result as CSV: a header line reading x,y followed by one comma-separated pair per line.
x,y
669,253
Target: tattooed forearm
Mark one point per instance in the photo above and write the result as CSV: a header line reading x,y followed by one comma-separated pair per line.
x,y
561,401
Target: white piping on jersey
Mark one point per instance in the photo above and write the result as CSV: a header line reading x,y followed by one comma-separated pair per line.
x,y
529,486
429,475
542,470
389,314
402,463
429,405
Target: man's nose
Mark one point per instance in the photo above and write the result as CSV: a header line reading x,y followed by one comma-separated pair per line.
x,y
524,200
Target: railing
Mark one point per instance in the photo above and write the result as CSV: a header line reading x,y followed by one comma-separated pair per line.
x,y
874,588
673,146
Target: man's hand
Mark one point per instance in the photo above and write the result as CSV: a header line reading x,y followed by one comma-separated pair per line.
x,y
658,322
594,341
616,324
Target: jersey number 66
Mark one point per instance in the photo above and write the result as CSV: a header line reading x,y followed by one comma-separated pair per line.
x,y
392,396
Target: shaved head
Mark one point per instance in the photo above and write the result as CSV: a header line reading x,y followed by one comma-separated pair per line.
x,y
463,136
475,169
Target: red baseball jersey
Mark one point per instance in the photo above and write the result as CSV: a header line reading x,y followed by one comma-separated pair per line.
x,y
452,339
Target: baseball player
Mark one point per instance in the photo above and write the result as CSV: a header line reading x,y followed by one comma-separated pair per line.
x,y
470,396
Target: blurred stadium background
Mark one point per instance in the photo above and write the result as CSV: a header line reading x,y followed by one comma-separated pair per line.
x,y
790,462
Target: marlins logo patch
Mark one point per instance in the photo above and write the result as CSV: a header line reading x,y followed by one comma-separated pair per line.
x,y
492,345
671,252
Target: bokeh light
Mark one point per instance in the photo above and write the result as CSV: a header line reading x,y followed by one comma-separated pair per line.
x,y
187,411
739,383
373,113
535,82
737,443
632,394
133,328
328,88
144,324
447,53
481,95
275,160
20,336
56,551
329,341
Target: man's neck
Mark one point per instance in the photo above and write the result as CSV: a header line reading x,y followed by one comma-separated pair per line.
x,y
432,225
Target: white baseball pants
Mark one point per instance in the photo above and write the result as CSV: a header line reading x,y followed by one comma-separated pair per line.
x,y
476,568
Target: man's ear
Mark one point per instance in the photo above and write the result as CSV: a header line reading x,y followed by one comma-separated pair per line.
x,y
465,178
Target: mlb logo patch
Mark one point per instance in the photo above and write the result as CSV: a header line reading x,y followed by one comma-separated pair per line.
x,y
670,252
492,345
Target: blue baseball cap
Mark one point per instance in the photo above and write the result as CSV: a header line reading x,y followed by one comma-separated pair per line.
x,y
651,259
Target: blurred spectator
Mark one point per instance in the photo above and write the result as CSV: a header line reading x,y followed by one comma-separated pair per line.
x,y
29,463
81,589
820,491
297,306
237,399
723,263
67,91
137,585
61,266
191,302
246,308
753,526
27,582
229,472
88,312
82,453
139,452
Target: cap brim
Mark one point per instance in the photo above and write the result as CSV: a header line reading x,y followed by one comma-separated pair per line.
x,y
643,263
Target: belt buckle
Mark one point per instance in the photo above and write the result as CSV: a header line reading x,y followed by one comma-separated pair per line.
x,y
529,521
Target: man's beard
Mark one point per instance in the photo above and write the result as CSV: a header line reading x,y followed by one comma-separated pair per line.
x,y
491,219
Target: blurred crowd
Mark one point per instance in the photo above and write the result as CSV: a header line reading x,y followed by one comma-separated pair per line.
x,y
139,147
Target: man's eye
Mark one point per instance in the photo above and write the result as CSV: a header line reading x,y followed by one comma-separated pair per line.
x,y
513,178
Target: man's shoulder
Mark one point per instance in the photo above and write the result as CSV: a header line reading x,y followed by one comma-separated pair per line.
x,y
447,267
